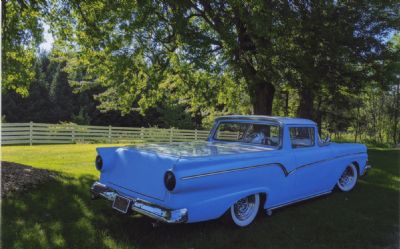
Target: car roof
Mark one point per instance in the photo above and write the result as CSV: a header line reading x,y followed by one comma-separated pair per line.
x,y
282,120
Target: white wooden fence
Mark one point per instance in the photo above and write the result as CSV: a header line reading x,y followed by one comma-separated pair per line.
x,y
37,133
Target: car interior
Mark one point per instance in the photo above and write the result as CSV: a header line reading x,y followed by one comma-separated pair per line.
x,y
302,137
249,133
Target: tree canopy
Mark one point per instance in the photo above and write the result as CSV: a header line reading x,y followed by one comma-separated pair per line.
x,y
21,36
324,60
134,48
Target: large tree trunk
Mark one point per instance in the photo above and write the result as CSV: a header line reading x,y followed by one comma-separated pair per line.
x,y
262,96
261,90
318,115
306,106
396,115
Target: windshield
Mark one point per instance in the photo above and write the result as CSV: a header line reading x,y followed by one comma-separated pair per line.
x,y
265,134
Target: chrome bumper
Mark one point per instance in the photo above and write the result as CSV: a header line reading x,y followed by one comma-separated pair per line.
x,y
141,206
366,169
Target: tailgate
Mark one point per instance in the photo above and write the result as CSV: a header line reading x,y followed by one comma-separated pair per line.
x,y
134,171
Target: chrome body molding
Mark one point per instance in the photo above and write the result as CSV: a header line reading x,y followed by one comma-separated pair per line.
x,y
141,206
234,170
299,200
285,171
325,160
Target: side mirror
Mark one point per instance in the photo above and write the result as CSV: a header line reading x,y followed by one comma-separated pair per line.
x,y
327,140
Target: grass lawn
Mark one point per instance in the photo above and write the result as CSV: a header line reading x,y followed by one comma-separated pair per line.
x,y
72,159
60,214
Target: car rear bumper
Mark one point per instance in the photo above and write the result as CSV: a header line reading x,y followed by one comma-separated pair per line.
x,y
99,190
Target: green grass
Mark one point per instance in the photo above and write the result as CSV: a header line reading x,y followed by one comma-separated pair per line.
x,y
60,214
73,159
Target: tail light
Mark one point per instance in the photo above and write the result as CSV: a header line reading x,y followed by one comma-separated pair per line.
x,y
99,162
169,180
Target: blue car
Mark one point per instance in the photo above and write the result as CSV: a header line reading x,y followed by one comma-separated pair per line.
x,y
247,165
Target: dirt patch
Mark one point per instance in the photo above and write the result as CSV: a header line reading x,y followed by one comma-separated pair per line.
x,y
17,177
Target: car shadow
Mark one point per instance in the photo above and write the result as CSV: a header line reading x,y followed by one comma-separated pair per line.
x,y
60,214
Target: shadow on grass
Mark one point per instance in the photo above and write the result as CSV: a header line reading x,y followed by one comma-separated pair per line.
x,y
60,214
387,160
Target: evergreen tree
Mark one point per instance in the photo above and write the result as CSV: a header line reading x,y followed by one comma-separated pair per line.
x,y
61,94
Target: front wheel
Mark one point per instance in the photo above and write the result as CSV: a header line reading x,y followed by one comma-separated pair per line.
x,y
348,179
245,210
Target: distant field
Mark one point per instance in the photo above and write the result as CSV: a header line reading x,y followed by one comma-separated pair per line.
x,y
60,214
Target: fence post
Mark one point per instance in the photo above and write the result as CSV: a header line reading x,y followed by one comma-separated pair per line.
x,y
141,133
30,133
73,134
195,134
170,134
109,134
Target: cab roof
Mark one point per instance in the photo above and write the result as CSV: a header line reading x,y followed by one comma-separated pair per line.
x,y
281,120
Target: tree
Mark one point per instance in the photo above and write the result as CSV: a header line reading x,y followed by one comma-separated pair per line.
x,y
392,79
335,46
61,94
265,43
158,61
21,35
140,40
37,105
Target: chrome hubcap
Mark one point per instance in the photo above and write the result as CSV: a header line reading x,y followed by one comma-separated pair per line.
x,y
347,177
244,208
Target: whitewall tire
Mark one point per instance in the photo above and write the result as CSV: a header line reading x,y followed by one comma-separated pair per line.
x,y
245,210
348,179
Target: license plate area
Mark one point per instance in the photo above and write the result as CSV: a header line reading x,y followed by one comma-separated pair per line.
x,y
121,204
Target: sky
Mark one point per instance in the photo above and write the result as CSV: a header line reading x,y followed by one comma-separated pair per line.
x,y
48,41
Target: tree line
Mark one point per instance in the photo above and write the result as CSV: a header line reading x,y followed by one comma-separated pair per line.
x,y
51,99
181,63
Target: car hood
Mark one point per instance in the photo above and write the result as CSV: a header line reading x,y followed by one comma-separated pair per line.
x,y
201,149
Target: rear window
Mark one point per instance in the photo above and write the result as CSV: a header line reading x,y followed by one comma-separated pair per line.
x,y
264,134
302,137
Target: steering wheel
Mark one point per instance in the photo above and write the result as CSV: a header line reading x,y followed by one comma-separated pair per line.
x,y
250,138
268,141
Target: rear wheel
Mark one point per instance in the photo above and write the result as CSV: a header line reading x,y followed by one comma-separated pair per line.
x,y
348,179
245,210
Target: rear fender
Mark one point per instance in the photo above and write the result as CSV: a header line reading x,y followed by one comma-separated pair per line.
x,y
216,207
107,154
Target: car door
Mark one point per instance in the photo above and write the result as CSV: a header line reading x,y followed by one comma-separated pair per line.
x,y
311,171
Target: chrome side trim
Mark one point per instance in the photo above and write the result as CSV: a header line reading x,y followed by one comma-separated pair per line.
x,y
234,170
299,200
324,160
285,171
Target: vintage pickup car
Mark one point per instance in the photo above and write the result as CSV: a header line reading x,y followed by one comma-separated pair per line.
x,y
247,164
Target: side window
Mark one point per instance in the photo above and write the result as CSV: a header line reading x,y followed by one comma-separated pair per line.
x,y
302,137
